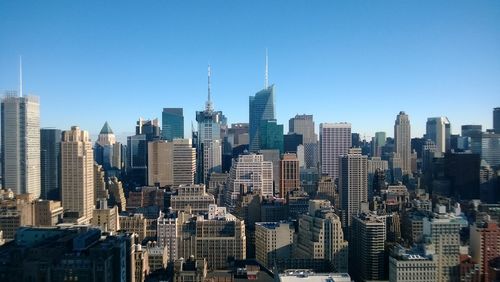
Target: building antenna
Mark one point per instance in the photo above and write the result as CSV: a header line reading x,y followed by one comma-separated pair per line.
x,y
20,76
267,72
209,101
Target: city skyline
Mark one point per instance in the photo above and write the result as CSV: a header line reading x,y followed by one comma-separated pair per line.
x,y
322,59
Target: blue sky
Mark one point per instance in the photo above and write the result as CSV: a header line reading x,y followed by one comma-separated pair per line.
x,y
355,61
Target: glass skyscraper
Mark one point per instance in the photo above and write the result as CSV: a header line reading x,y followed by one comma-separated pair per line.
x,y
172,124
50,157
271,135
261,107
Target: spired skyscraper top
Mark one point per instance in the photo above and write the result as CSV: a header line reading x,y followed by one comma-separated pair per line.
x,y
261,107
20,129
402,141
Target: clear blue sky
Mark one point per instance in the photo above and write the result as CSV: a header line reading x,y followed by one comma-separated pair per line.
x,y
355,61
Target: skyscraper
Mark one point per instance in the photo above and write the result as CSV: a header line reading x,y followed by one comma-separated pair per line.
x,y
50,169
438,129
271,135
107,152
367,256
353,183
402,141
77,173
290,174
209,147
378,143
335,141
249,172
172,123
304,125
261,107
496,120
21,143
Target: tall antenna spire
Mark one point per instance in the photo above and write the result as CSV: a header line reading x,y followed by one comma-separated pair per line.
x,y
208,105
20,76
267,71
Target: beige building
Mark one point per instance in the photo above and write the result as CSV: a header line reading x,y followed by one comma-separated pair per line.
x,y
100,191
116,194
47,213
194,197
190,270
320,236
139,264
105,218
134,223
289,173
157,256
171,163
407,266
273,240
77,173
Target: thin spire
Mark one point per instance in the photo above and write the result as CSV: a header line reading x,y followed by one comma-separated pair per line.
x,y
209,101
267,72
20,76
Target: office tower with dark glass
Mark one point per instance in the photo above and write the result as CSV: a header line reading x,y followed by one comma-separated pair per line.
x,y
172,123
304,125
20,118
209,146
438,129
402,141
261,107
50,168
271,135
496,120
335,141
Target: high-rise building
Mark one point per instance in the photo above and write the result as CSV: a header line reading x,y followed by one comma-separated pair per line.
x,y
490,148
411,265
353,184
304,125
50,157
496,120
402,141
473,133
290,174
209,142
137,151
484,245
191,197
160,163
172,123
438,129
150,128
273,240
77,173
320,236
261,107
335,141
367,256
444,233
20,144
107,152
291,141
249,172
377,143
271,135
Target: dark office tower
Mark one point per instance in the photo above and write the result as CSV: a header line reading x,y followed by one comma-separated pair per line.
x,y
304,124
172,123
438,129
149,128
377,143
490,148
355,140
462,170
261,108
402,141
50,158
291,142
496,120
473,132
271,135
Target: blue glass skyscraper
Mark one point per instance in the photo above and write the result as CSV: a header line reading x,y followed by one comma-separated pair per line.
x,y
172,123
261,107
